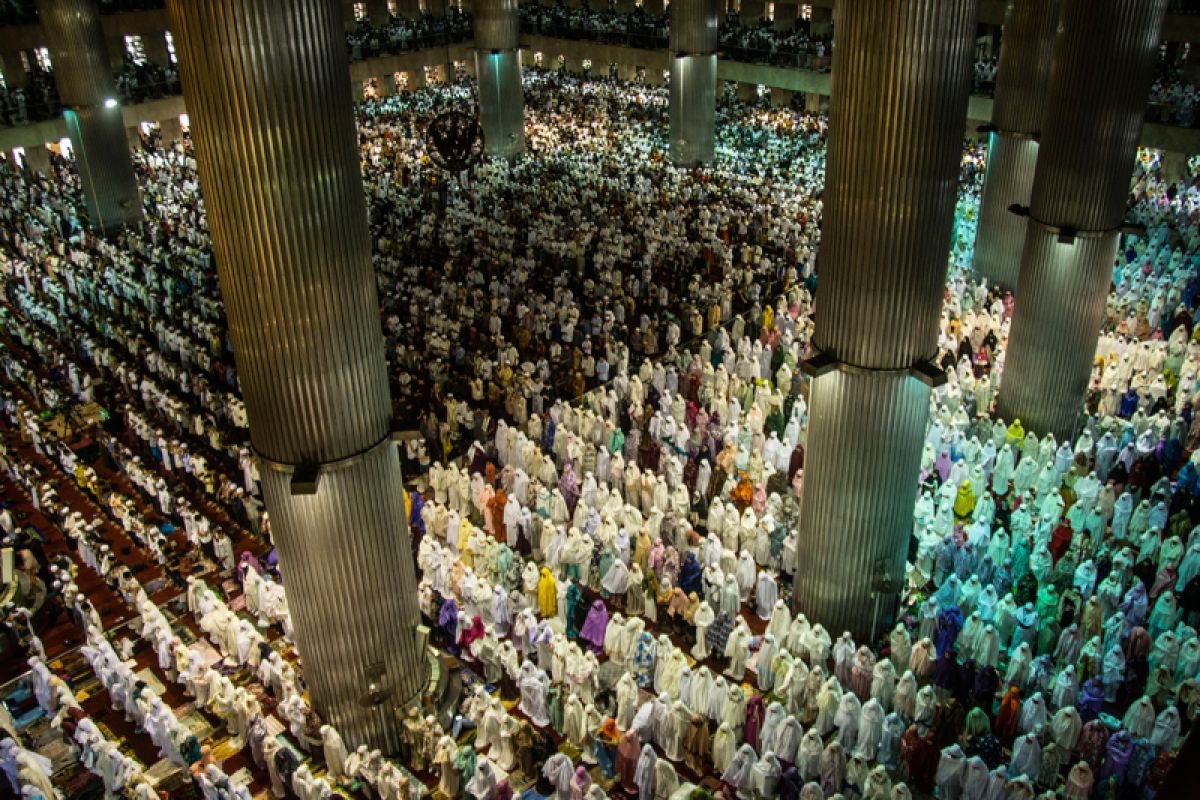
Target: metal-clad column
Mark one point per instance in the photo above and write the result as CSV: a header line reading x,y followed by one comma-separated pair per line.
x,y
693,90
1026,59
498,69
279,169
901,82
1103,64
93,115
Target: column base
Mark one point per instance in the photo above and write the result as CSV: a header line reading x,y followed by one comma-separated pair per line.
x,y
501,102
693,109
1001,234
110,188
860,487
1056,325
345,557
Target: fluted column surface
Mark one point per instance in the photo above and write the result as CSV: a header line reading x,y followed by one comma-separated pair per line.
x,y
497,24
95,125
82,71
692,91
694,27
1026,64
899,100
866,431
1104,62
901,82
1026,61
501,102
1056,323
1008,181
498,70
279,169
692,108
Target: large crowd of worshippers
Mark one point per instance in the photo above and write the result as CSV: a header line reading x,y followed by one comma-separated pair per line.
x,y
611,560
1173,93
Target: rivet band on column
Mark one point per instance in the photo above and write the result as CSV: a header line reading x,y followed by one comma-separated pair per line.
x,y
1063,231
924,370
1019,135
324,466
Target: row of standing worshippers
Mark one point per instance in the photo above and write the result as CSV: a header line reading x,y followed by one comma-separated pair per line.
x,y
546,599
264,597
1168,714
571,288
236,639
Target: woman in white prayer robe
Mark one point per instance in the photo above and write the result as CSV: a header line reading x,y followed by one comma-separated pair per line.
x,y
733,707
482,785
737,649
703,620
747,574
1065,727
883,683
900,644
730,599
644,773
724,747
559,770
950,773
1066,688
533,685
1026,757
671,728
766,593
700,690
769,731
1166,729
1113,672
1033,713
846,720
764,776
787,740
870,730
904,699
616,580
1139,718
925,707
737,774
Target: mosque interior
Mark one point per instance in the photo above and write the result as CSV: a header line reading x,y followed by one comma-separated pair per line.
x,y
572,399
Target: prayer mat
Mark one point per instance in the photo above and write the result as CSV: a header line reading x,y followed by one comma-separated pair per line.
x,y
40,734
61,755
83,784
28,718
242,777
224,749
209,655
197,725
33,533
160,771
274,726
151,680
155,586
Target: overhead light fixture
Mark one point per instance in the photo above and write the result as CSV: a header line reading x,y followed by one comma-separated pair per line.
x,y
110,102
